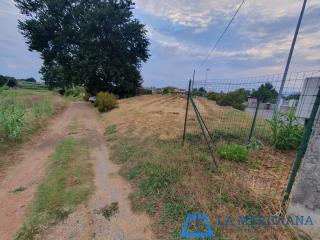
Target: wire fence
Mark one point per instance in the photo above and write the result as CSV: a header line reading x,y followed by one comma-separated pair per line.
x,y
229,106
253,112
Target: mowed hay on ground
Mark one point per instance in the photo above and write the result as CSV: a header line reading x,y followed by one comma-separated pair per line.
x,y
171,180
150,115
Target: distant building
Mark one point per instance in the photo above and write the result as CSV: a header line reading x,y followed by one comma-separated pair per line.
x,y
290,103
157,90
169,90
180,91
252,102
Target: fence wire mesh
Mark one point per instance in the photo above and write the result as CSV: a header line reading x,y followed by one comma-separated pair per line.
x,y
228,106
252,111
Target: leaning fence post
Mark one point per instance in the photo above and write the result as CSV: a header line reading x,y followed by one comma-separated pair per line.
x,y
254,121
186,116
201,123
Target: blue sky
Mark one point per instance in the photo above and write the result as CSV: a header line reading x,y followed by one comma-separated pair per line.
x,y
183,31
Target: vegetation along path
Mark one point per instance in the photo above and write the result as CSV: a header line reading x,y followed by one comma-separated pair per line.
x,y
107,213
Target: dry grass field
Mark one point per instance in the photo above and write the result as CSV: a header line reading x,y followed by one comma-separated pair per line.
x,y
144,135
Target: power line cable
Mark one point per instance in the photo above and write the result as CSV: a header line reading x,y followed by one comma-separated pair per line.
x,y
222,34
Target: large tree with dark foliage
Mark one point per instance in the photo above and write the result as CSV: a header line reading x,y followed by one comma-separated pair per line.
x,y
95,43
265,93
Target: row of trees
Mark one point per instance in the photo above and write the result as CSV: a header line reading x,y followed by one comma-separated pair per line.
x,y
93,43
265,93
12,82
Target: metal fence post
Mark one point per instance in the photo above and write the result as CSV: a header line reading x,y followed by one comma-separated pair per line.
x,y
204,123
186,116
204,134
290,54
301,152
194,75
254,121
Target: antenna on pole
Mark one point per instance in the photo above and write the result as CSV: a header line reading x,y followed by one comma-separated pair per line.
x,y
290,55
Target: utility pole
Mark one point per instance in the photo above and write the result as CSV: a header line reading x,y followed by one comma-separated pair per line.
x,y
290,55
192,85
206,78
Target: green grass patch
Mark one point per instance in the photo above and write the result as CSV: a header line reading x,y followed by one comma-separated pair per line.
x,y
171,180
233,152
110,133
32,86
157,178
22,113
43,108
12,119
255,165
67,184
112,129
126,151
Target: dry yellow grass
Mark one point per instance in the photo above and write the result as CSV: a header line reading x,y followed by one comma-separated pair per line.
x,y
148,129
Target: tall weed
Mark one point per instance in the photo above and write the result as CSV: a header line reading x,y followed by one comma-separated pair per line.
x,y
42,108
12,119
286,130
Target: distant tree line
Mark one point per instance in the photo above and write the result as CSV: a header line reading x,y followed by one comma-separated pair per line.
x,y
97,44
234,99
13,82
265,93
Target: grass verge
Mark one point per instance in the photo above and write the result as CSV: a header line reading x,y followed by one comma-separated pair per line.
x,y
69,182
22,113
171,181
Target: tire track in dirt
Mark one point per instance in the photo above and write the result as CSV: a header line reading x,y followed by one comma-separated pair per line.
x,y
109,186
86,223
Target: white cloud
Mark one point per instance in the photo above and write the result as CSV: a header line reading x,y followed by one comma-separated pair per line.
x,y
277,47
196,14
202,14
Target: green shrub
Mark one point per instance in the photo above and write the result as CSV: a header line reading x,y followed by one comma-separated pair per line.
x,y
233,152
286,130
144,91
234,99
212,96
12,120
74,92
201,92
168,90
105,102
62,91
255,165
12,83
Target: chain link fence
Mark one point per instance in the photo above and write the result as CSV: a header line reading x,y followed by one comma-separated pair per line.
x,y
229,106
253,112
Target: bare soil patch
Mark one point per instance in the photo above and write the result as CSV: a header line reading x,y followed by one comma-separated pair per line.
x,y
78,120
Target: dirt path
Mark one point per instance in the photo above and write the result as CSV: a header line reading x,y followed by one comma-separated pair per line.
x,y
109,186
27,174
